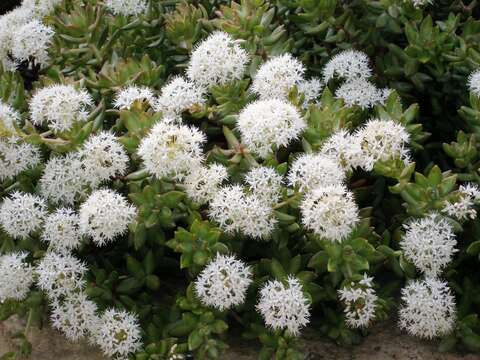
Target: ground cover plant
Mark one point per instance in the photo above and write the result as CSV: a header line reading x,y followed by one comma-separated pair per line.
x,y
177,173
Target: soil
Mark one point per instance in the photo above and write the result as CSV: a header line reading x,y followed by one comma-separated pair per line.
x,y
384,342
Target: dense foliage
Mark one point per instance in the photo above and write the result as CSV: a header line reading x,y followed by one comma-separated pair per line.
x,y
175,173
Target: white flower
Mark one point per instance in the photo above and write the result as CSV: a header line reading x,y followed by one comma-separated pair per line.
x,y
63,180
268,124
17,276
16,156
9,117
217,60
32,40
284,306
310,171
102,157
349,64
21,214
462,209
177,96
126,7
127,96
223,283
265,183
464,206
276,77
360,302
330,212
429,243
419,3
470,189
203,183
41,7
172,150
75,316
61,230
343,148
474,82
362,93
310,89
105,215
235,211
382,140
118,333
227,208
60,275
258,219
428,308
60,106
9,24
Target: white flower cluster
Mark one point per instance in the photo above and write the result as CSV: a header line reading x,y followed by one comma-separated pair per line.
x,y
348,65
382,140
362,93
118,333
310,89
40,8
344,148
464,207
353,67
217,60
429,243
236,211
62,180
178,96
267,125
265,183
60,275
75,316
204,183
276,77
420,3
474,83
330,212
66,179
32,40
377,140
126,7
172,150
284,306
8,25
17,276
22,35
61,231
9,118
428,308
127,96
102,157
360,302
16,156
223,283
310,171
60,106
22,214
105,215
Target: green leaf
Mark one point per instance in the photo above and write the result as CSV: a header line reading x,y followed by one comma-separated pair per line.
x,y
129,286
194,340
277,269
152,282
149,263
474,248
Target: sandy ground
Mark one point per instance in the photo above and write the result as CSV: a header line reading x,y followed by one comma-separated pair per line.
x,y
384,343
